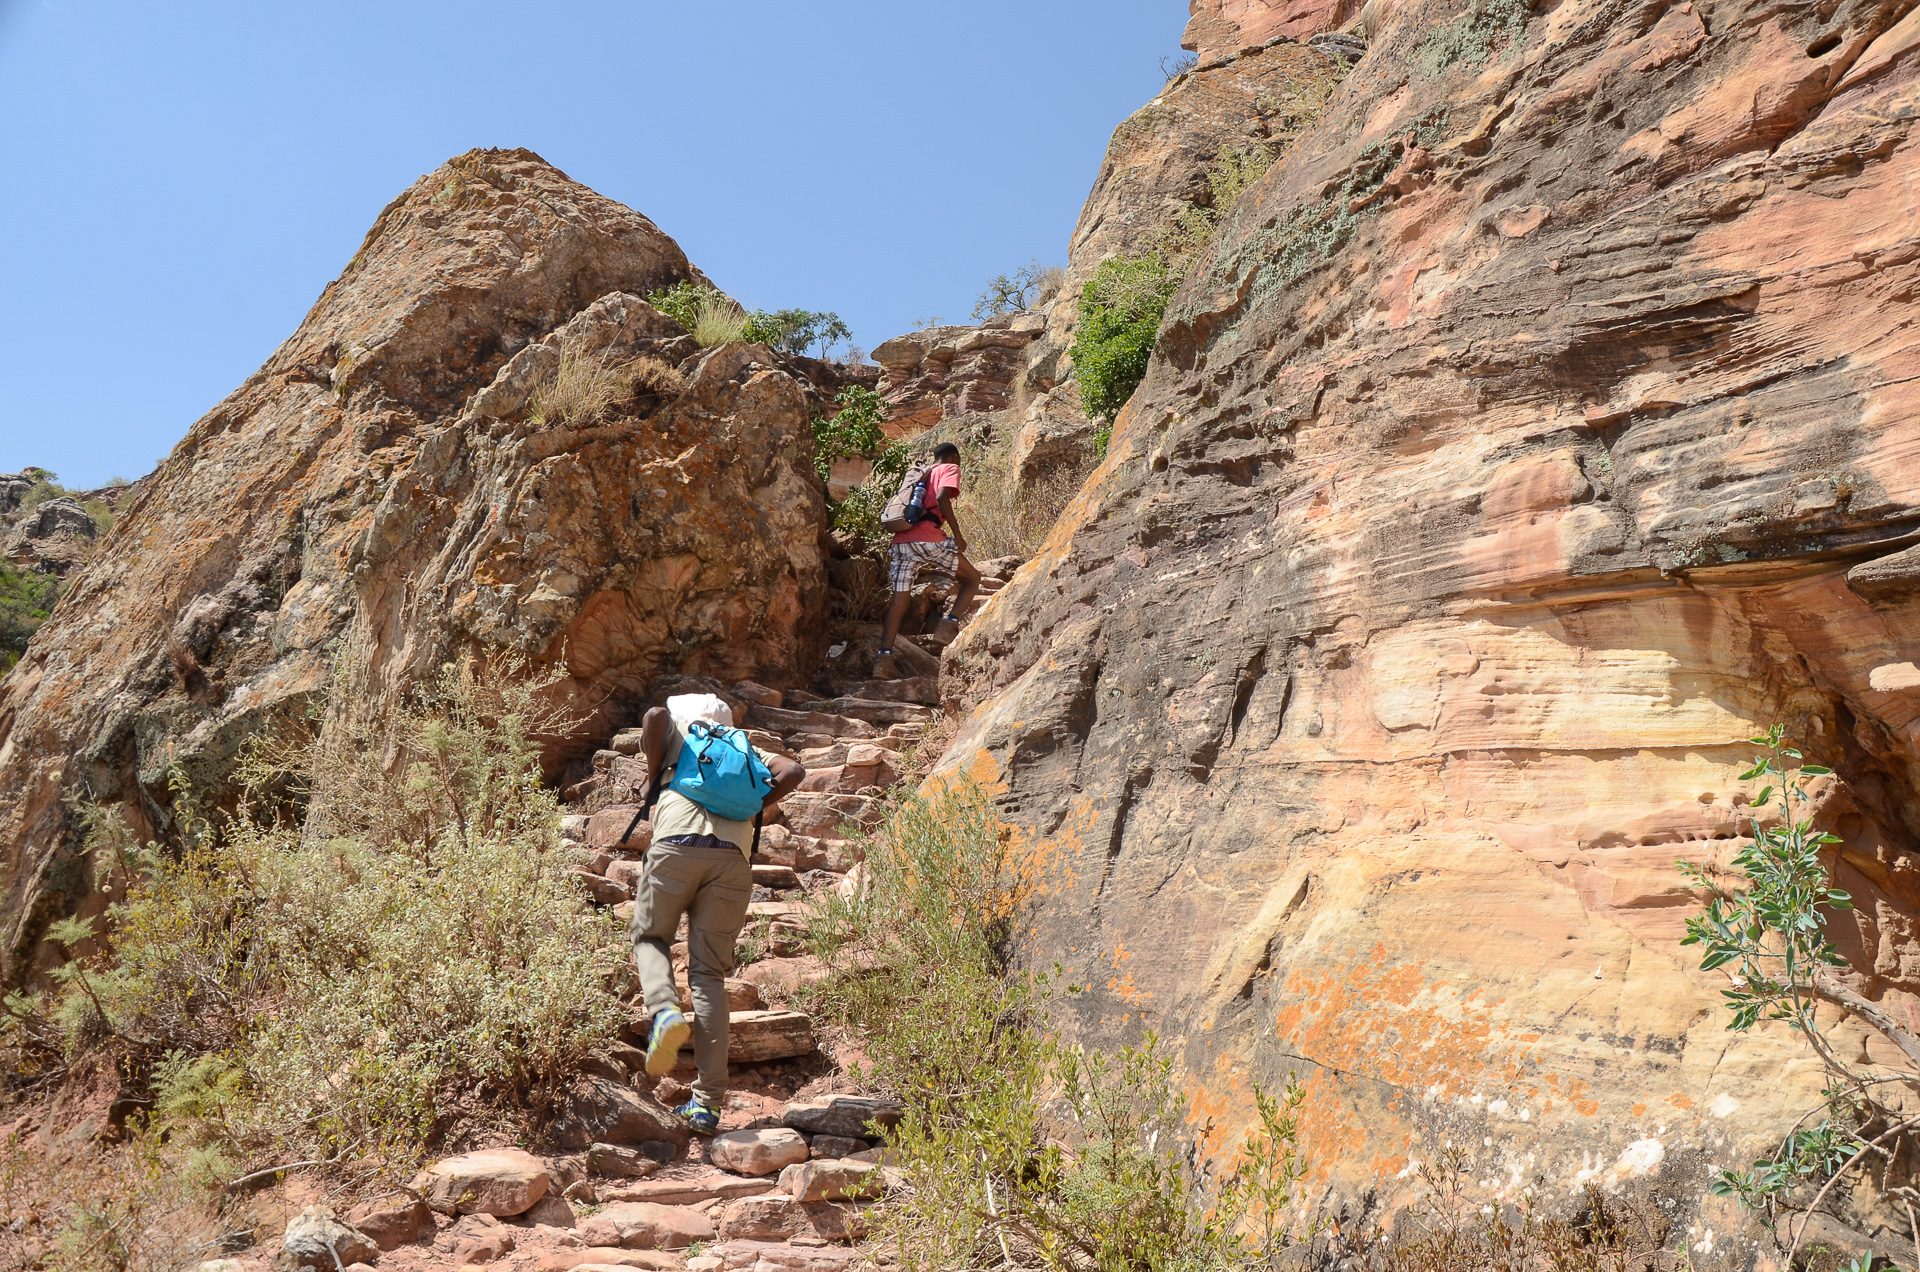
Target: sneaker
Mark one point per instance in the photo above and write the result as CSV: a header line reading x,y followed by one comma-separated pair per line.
x,y
703,1118
670,1030
885,668
946,632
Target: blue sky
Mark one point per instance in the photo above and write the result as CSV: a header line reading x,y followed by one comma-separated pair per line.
x,y
184,178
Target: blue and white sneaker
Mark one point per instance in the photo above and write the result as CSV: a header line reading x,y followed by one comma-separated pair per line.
x,y
703,1118
664,1040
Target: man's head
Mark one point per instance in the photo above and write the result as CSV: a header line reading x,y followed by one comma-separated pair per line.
x,y
946,453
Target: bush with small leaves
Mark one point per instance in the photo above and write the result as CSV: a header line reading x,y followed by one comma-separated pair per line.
x,y
1767,929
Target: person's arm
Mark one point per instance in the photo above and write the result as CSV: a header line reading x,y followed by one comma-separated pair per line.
x,y
787,774
951,520
655,728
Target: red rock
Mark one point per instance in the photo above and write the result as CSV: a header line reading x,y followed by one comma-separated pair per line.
x,y
754,1036
392,1222
830,1181
758,1152
494,1181
838,1220
603,890
770,1218
676,1192
645,1225
605,827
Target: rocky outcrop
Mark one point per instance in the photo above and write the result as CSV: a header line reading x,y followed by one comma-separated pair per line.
x,y
45,529
391,470
941,373
1535,433
1156,166
1219,29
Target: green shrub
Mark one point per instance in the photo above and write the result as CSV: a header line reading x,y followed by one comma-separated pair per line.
x,y
384,930
46,485
852,432
858,515
27,597
1120,311
1767,927
1019,1149
712,317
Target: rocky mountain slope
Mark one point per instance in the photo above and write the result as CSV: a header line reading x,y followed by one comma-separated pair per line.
x,y
1537,430
391,466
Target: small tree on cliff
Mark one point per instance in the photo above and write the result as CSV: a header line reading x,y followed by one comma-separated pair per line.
x,y
1771,937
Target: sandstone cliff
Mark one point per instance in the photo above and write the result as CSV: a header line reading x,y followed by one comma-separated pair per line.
x,y
407,459
1538,429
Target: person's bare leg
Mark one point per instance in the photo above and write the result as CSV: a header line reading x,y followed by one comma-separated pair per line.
x,y
969,584
896,614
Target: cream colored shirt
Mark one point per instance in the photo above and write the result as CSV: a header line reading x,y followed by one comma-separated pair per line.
x,y
675,814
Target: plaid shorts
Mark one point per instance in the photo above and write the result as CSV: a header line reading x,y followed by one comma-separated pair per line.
x,y
907,561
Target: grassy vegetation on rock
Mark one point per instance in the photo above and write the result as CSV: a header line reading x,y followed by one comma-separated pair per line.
x,y
1022,1149
379,949
712,317
26,598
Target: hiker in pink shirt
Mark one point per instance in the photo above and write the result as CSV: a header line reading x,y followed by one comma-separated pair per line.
x,y
933,545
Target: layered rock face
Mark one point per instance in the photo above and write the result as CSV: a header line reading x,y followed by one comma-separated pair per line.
x,y
1534,433
940,373
427,460
1220,28
1155,166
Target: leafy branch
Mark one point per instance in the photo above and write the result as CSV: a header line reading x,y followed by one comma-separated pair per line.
x,y
1771,939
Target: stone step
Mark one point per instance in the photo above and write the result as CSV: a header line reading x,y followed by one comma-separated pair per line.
x,y
923,690
779,878
773,1256
881,713
686,1192
788,722
754,1036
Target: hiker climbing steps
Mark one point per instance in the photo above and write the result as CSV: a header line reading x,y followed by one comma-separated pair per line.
x,y
800,1155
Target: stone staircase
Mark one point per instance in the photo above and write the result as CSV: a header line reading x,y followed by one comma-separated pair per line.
x,y
801,1156
783,1188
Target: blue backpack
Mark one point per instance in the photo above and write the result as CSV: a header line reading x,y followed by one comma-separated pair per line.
x,y
719,771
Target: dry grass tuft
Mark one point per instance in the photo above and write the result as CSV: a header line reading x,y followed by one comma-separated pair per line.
x,y
718,320
1000,518
654,375
134,1207
587,387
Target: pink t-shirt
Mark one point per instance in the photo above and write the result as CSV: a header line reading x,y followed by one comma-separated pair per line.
x,y
943,479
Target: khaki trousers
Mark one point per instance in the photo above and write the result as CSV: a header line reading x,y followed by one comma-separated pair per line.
x,y
712,887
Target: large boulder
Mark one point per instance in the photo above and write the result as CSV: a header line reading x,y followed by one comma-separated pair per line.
x,y
1498,472
760,1152
393,462
316,1239
494,1181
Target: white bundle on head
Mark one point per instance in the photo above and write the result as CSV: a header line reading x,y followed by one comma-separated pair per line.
x,y
685,708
